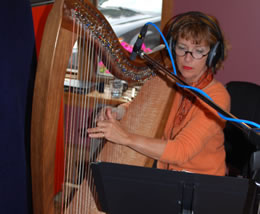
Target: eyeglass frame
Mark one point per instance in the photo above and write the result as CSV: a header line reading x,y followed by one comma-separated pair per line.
x,y
191,53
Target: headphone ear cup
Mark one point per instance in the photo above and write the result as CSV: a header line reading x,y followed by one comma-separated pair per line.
x,y
214,55
171,44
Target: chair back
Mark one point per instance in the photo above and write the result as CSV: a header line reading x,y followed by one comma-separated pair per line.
x,y
245,104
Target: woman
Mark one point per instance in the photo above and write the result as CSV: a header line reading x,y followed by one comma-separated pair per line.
x,y
193,139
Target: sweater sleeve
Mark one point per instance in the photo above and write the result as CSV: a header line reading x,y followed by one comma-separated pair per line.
x,y
203,123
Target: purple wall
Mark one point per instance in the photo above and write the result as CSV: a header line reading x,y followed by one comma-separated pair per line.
x,y
240,22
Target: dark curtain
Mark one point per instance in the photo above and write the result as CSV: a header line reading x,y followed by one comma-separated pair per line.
x,y
17,66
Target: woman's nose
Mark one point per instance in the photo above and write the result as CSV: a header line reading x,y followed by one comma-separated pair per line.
x,y
188,57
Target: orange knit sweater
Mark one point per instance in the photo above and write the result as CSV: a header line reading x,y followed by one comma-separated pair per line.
x,y
198,145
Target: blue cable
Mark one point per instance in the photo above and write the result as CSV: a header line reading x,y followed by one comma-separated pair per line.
x,y
196,89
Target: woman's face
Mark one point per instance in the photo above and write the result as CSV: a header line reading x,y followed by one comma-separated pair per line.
x,y
190,68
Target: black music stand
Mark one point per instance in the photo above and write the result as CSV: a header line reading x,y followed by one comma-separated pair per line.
x,y
124,189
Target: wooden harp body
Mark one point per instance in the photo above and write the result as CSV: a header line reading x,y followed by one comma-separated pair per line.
x,y
145,116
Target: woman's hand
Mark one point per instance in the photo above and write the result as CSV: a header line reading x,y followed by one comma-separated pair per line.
x,y
102,115
109,128
116,112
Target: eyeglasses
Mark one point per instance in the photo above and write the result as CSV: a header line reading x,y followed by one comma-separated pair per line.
x,y
196,53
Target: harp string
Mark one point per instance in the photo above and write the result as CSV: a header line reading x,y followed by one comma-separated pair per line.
x,y
86,150
80,149
70,127
79,109
91,149
83,116
68,135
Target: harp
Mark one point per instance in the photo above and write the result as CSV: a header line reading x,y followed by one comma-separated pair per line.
x,y
66,20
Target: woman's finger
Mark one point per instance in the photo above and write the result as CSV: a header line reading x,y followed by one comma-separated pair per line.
x,y
96,135
94,130
110,115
